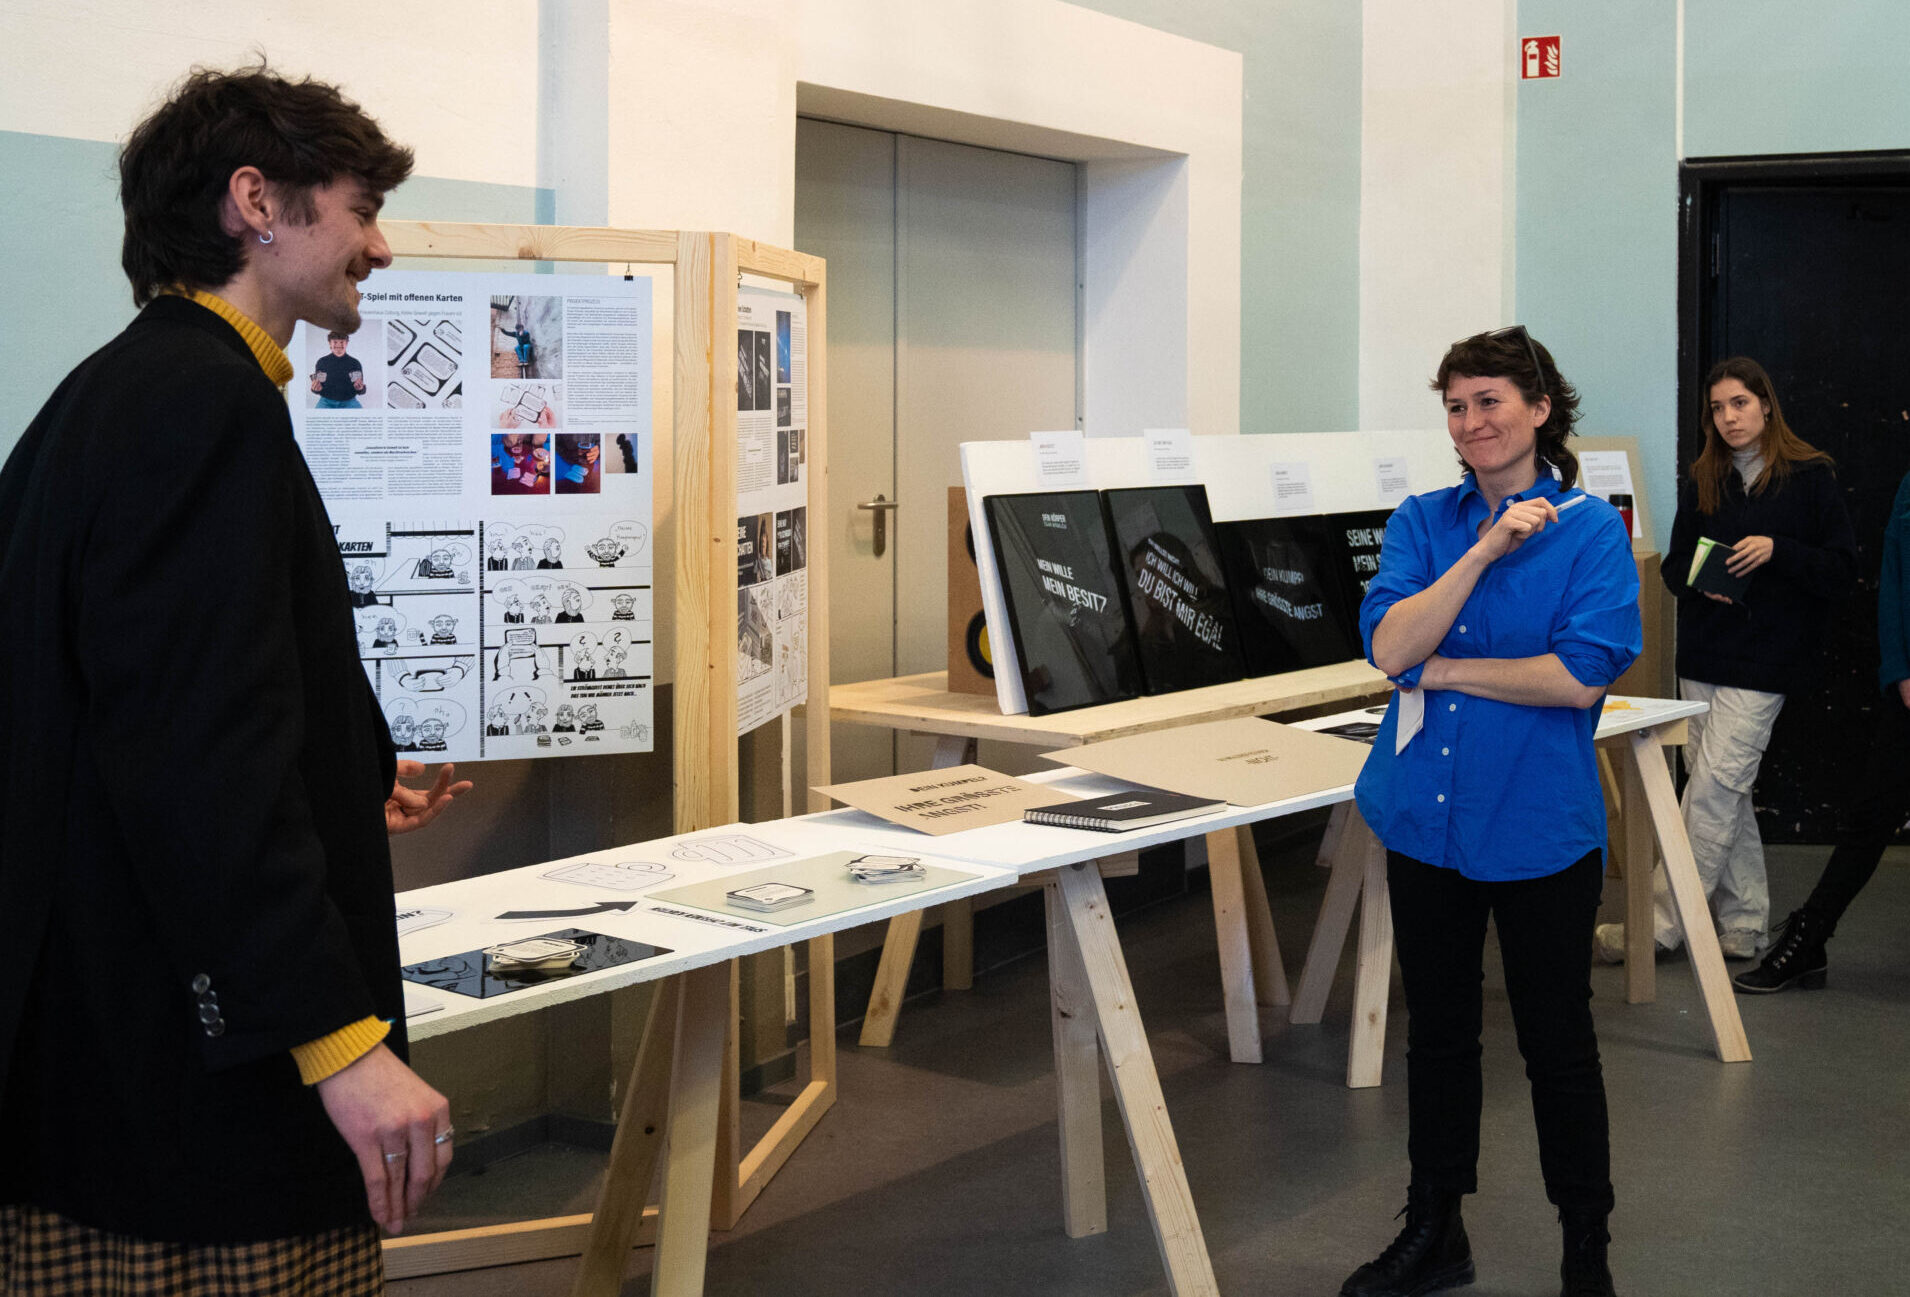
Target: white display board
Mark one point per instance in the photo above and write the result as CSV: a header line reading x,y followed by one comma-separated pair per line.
x,y
1343,472
483,446
772,504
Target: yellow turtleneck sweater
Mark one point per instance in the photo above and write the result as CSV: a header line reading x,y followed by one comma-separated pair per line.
x,y
327,1055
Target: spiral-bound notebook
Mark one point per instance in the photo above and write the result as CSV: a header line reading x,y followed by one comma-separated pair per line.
x,y
1135,808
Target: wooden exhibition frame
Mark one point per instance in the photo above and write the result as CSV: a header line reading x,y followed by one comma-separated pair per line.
x,y
706,270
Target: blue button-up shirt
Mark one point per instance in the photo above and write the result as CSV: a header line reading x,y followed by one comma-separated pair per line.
x,y
1498,790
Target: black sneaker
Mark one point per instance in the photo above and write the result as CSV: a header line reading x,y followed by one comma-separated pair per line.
x,y
1796,960
1430,1255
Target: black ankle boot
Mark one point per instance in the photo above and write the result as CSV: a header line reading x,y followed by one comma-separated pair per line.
x,y
1585,1272
1432,1253
1796,960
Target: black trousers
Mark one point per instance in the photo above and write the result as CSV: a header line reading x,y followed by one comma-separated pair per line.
x,y
1881,807
1545,937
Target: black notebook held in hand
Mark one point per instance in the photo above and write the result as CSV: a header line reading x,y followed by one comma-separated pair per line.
x,y
1136,808
1184,625
1067,610
1709,575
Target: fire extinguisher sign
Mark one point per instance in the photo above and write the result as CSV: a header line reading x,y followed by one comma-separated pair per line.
x,y
1538,57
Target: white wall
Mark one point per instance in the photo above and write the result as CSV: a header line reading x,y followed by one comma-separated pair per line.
x,y
681,114
1436,200
457,82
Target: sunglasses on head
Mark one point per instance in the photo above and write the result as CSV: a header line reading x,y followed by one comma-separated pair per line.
x,y
1519,331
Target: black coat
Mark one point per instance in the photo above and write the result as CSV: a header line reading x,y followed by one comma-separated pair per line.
x,y
194,873
1764,641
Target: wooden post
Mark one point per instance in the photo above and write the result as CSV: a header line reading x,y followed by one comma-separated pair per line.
x,y
1641,954
1269,974
1373,972
1343,886
633,1153
1236,956
1137,1088
696,1080
1077,1079
1687,894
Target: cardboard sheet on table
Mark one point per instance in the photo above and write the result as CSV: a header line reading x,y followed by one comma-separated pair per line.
x,y
1243,762
471,972
945,801
826,875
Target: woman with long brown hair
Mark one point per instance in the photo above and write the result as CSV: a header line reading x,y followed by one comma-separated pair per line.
x,y
1773,499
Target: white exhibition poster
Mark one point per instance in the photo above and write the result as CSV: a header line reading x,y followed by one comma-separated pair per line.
x,y
1391,481
1607,473
1061,459
483,445
1170,454
1292,488
772,504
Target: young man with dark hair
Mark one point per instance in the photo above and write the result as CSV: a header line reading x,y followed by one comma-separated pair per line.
x,y
339,378
202,1085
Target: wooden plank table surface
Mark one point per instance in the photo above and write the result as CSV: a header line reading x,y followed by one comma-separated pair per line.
x,y
923,703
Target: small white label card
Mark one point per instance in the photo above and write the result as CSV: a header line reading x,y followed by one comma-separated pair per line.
x,y
1170,454
1292,489
1389,476
1061,459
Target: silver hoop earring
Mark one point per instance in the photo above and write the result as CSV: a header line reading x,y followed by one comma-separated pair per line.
x,y
266,237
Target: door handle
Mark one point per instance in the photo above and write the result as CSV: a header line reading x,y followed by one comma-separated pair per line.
x,y
880,508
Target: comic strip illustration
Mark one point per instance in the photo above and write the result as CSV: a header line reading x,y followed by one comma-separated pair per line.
x,y
483,453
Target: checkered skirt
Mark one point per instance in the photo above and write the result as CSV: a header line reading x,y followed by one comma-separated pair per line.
x,y
43,1254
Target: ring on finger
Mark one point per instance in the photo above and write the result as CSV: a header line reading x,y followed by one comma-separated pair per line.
x,y
398,1156
444,1136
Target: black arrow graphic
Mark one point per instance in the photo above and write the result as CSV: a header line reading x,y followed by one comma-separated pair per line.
x,y
601,907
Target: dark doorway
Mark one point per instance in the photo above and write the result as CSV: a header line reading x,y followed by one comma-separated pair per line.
x,y
1803,263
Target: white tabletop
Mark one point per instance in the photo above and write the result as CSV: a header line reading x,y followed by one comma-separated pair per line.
x,y
694,938
996,856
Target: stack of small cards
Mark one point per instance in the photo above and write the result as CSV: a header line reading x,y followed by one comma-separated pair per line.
x,y
886,869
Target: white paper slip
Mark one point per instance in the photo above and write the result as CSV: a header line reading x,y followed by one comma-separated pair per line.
x,y
1607,473
410,921
1412,718
417,1003
1170,454
1292,489
1390,479
1061,459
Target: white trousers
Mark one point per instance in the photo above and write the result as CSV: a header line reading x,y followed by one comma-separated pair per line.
x,y
1725,748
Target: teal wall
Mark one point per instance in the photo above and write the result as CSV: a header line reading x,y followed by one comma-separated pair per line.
x,y
1597,179
1300,199
1776,76
60,277
1597,228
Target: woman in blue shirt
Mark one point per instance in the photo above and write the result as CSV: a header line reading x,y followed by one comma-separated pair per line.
x,y
1503,608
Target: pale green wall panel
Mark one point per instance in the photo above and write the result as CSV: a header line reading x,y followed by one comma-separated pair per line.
x,y
1300,198
1597,228
1776,76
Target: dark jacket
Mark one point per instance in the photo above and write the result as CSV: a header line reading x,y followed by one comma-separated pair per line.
x,y
1765,640
193,864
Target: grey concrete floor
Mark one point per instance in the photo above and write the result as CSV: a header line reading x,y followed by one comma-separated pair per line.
x,y
936,1173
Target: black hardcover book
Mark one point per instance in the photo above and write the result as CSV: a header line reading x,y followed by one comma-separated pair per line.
x,y
1136,808
1288,598
1067,612
1355,540
1176,587
1709,573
